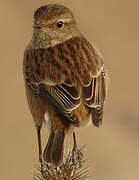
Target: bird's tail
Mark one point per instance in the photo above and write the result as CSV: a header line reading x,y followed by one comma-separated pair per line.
x,y
53,152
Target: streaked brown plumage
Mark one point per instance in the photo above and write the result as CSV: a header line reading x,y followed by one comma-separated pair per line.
x,y
65,78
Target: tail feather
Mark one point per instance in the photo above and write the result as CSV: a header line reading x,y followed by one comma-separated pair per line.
x,y
47,151
53,152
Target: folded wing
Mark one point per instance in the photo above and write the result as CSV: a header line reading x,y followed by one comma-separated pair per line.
x,y
94,95
63,97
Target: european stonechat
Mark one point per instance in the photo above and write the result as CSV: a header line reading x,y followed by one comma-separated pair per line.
x,y
65,78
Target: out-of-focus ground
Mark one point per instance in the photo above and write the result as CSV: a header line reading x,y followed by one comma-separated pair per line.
x,y
113,149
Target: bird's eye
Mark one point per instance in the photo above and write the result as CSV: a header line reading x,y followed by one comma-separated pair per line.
x,y
60,24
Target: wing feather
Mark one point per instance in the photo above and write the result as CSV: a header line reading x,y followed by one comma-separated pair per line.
x,y
94,96
63,102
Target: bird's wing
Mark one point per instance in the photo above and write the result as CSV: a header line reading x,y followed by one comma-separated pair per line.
x,y
94,95
63,96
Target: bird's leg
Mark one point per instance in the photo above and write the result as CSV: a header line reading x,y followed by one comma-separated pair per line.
x,y
39,143
74,140
40,149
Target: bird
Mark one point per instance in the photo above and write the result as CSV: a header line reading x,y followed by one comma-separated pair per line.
x,y
65,79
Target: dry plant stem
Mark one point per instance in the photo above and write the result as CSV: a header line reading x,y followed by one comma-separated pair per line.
x,y
71,169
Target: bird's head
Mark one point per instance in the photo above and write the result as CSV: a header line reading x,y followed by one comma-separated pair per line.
x,y
53,24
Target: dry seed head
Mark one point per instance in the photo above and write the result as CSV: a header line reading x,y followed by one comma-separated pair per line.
x,y
71,169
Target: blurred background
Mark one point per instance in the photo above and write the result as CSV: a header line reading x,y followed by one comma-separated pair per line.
x,y
112,151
